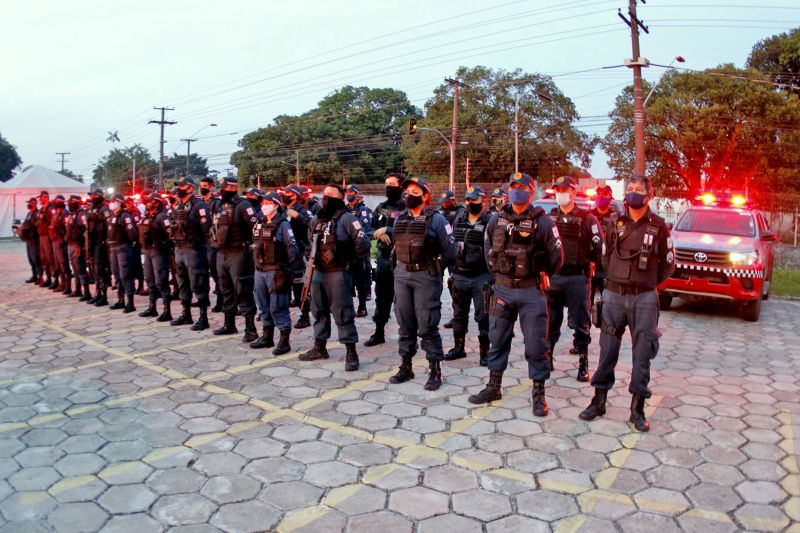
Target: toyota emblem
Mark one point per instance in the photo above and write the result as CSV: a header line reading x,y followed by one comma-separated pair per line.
x,y
700,257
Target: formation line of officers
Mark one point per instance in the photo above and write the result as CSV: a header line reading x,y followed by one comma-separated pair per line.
x,y
506,261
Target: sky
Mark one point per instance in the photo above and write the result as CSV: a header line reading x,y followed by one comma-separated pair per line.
x,y
74,71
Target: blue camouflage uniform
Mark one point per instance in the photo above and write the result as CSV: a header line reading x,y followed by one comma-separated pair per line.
x,y
275,249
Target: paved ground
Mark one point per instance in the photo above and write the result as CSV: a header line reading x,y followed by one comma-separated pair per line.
x,y
115,423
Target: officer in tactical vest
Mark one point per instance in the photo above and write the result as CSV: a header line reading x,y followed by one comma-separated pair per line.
x,y
190,222
214,204
638,256
499,199
582,239
77,225
602,211
234,233
424,247
97,246
154,238
274,250
522,249
470,275
28,232
46,214
299,217
362,269
58,234
383,220
122,234
337,239
450,209
310,202
138,265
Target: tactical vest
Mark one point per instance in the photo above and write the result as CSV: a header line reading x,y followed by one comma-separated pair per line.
x,y
150,235
98,230
58,229
633,256
471,261
269,253
332,255
117,230
384,217
180,215
413,244
45,218
450,214
28,228
75,232
229,233
513,245
570,228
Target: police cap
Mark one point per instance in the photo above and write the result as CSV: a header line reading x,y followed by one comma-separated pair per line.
x,y
446,196
565,181
521,178
417,180
184,181
474,193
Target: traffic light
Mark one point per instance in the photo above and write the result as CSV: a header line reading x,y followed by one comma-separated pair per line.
x,y
412,126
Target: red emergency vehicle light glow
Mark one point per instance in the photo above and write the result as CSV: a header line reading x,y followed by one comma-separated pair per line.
x,y
738,200
591,192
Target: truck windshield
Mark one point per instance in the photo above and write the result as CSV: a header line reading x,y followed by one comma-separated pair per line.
x,y
723,222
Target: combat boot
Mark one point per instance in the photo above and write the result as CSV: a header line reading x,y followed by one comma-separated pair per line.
x,y
350,358
150,311
319,351
129,308
283,343
637,418
31,279
250,331
229,326
266,340
492,392
362,306
583,365
303,321
120,304
47,282
39,281
218,305
67,287
484,346
77,293
434,376
202,320
539,402
186,316
87,294
597,407
102,298
457,352
377,337
166,313
57,285
448,324
404,373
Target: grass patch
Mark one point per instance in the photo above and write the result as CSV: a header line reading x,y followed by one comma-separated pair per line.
x,y
785,282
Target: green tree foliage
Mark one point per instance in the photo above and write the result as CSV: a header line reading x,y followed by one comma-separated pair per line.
x,y
549,144
711,130
778,56
9,159
115,169
348,135
175,165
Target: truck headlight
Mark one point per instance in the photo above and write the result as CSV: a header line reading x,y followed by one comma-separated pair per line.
x,y
744,258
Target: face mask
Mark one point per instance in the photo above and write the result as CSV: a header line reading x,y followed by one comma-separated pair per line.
x,y
498,202
182,193
255,202
204,191
519,196
32,206
603,202
562,198
97,202
155,206
330,206
635,200
351,198
475,209
413,202
58,204
393,193
114,206
287,199
268,209
74,206
227,196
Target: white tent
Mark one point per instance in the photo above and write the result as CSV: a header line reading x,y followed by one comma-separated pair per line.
x,y
14,193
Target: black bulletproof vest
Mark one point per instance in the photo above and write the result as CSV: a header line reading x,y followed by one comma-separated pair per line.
x,y
412,244
513,245
75,232
268,251
471,260
573,240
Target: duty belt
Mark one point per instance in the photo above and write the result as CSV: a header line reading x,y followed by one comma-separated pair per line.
x,y
184,244
623,289
232,249
415,267
516,283
574,270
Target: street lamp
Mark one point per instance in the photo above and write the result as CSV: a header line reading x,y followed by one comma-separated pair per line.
x,y
679,59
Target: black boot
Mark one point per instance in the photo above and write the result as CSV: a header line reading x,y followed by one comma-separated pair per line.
x,y
77,293
202,320
457,352
150,311
250,331
87,294
57,285
485,345
266,340
434,376
120,301
552,357
319,351
303,321
583,365
351,358
102,298
597,407
48,282
67,287
229,326
638,420
539,402
31,279
404,373
448,324
129,308
283,343
186,316
492,392
377,337
166,314
218,305
362,306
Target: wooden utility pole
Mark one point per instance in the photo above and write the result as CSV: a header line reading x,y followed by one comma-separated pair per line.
x,y
636,63
188,153
62,154
162,123
454,141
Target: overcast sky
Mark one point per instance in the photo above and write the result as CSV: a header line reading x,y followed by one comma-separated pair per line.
x,y
73,71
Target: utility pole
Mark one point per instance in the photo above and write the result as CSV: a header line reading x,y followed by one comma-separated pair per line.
x,y
516,134
188,153
453,141
162,123
636,63
133,180
62,154
467,173
297,167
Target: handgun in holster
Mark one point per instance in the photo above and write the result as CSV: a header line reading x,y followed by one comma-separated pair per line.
x,y
486,292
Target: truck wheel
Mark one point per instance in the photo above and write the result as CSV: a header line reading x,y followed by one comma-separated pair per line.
x,y
752,310
664,301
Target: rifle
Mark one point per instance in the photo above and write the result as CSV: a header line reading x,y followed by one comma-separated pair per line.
x,y
309,273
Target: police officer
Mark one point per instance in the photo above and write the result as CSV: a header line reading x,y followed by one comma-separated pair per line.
x,y
299,217
424,246
234,233
138,268
97,246
154,238
338,240
383,220
604,208
362,269
522,248
122,234
499,199
77,224
58,234
582,239
28,232
214,205
638,256
310,202
450,209
274,250
46,214
470,275
190,221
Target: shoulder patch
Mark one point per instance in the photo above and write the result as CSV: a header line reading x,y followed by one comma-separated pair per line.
x,y
595,229
669,242
526,224
555,232
202,212
448,228
357,224
250,211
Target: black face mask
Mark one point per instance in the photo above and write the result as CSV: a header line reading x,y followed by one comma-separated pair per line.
x,y
475,209
227,196
183,194
154,207
413,202
97,202
74,206
31,206
393,193
330,206
255,202
204,191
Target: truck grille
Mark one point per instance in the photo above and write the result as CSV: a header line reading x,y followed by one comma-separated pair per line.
x,y
715,258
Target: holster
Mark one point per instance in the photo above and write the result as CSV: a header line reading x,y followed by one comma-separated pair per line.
x,y
486,292
597,313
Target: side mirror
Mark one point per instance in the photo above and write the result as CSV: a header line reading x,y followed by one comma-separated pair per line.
x,y
769,236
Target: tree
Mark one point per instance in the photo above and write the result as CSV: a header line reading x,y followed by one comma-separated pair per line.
x,y
175,165
711,130
778,56
348,135
116,169
9,159
549,144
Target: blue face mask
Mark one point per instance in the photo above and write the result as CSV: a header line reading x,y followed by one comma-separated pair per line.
x,y
635,200
603,202
519,196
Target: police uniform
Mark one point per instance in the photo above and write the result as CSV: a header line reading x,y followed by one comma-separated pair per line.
x,y
58,234
154,239
362,269
300,229
337,241
46,214
274,250
122,234
604,219
638,256
28,232
214,205
234,233
77,225
450,212
138,265
498,199
424,247
97,246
